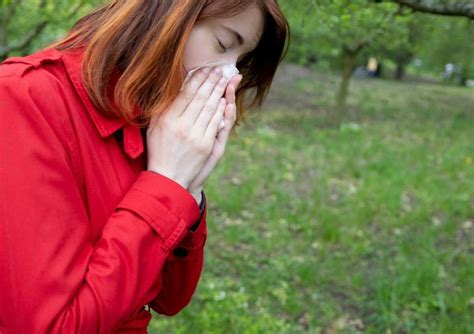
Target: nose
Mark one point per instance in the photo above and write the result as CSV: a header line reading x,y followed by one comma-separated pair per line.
x,y
231,59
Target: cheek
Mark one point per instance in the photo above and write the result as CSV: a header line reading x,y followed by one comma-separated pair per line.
x,y
198,49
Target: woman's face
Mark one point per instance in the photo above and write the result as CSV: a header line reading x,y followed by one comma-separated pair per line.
x,y
212,39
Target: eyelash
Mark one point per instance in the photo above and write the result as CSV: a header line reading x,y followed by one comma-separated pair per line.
x,y
221,45
225,49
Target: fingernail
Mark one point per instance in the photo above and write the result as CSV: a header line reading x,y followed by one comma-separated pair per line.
x,y
222,81
217,71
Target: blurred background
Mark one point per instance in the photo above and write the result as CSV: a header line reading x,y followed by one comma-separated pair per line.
x,y
345,205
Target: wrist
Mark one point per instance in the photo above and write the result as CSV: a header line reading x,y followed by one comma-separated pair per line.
x,y
197,194
170,176
195,190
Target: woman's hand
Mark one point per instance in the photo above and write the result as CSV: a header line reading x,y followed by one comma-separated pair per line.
x,y
180,140
218,149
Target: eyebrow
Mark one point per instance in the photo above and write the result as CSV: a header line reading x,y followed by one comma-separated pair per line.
x,y
240,39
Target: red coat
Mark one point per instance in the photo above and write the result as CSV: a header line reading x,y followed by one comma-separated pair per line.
x,y
88,236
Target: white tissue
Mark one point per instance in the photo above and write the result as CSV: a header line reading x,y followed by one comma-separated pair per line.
x,y
228,70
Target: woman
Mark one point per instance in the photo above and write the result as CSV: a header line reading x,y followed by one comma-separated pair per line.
x,y
105,154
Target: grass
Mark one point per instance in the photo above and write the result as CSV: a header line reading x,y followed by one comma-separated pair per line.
x,y
368,228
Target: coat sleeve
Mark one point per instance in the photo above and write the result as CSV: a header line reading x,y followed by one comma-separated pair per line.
x,y
182,270
53,279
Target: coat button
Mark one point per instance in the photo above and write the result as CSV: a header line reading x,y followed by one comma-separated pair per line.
x,y
180,252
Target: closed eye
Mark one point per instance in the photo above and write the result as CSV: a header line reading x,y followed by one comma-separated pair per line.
x,y
222,46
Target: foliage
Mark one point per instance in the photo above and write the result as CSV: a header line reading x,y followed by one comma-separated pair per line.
x,y
331,26
448,40
321,30
341,29
23,33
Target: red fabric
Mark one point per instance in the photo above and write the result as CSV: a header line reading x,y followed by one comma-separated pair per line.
x,y
86,232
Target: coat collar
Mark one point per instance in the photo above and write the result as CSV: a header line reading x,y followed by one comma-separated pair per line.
x,y
132,136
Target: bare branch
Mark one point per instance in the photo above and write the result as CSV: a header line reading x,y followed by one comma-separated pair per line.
x,y
440,7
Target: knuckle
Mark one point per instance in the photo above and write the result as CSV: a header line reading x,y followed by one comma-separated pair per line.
x,y
215,78
207,108
202,147
201,75
220,89
188,95
181,132
201,97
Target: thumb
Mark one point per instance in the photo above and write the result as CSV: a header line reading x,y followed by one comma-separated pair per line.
x,y
231,88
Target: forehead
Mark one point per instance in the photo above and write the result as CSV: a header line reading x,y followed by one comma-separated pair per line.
x,y
249,23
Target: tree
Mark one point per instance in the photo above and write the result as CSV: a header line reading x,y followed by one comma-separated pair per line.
x,y
20,33
402,50
342,29
449,34
444,7
448,40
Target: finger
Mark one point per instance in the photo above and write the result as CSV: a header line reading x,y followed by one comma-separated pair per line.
x,y
209,109
188,91
202,95
229,119
231,88
234,114
211,129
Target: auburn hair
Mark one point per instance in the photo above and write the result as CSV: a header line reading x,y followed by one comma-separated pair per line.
x,y
145,41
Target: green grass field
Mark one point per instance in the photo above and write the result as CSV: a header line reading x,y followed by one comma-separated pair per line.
x,y
368,228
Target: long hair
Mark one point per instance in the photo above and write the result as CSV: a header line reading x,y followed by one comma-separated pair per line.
x,y
145,41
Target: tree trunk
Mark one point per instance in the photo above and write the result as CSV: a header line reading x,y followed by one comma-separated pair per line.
x,y
343,90
400,71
